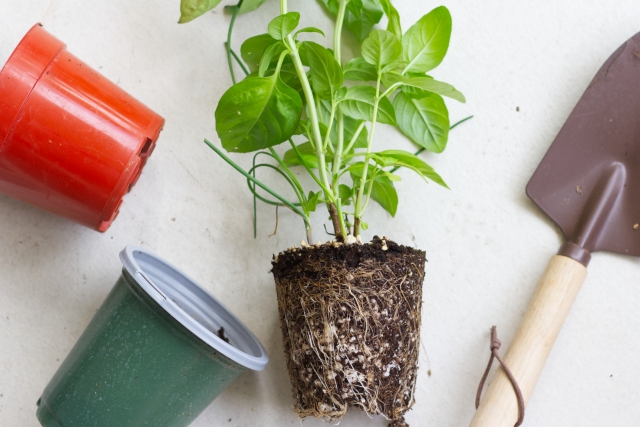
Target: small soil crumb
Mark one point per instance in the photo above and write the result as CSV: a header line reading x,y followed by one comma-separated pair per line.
x,y
636,226
223,337
429,372
579,189
518,109
173,219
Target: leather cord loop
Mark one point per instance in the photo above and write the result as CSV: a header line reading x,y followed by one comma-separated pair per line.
x,y
495,346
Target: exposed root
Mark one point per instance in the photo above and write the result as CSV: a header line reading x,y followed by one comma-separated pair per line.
x,y
350,317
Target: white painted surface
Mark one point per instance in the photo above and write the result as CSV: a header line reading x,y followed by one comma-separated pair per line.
x,y
487,244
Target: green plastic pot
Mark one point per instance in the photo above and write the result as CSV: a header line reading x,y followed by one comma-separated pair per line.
x,y
151,355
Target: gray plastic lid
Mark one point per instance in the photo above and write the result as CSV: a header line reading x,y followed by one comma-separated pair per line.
x,y
195,308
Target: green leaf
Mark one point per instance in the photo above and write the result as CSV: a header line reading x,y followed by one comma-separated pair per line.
x,y
364,225
424,120
359,103
345,192
281,26
191,9
426,42
359,69
350,128
393,26
272,53
326,73
381,49
424,83
309,30
250,5
253,49
257,113
289,76
247,6
308,154
340,94
360,16
312,201
408,160
382,190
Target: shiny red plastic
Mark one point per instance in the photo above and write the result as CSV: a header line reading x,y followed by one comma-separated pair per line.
x,y
71,142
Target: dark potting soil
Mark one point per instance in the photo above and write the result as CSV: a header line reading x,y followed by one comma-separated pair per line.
x,y
350,318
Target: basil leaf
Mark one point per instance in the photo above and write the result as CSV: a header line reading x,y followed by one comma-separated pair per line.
x,y
326,73
191,9
289,76
426,42
281,26
425,83
309,30
408,160
272,53
312,201
381,49
253,49
393,26
250,5
359,69
257,113
345,192
424,120
359,101
350,128
308,154
382,190
360,16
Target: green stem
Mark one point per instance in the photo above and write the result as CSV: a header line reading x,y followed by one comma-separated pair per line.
x,y
239,62
306,166
313,116
337,33
293,180
355,137
259,183
359,207
233,21
283,7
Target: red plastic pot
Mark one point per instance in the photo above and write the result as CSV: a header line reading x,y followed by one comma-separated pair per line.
x,y
71,142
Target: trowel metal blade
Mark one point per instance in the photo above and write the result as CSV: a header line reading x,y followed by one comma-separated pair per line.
x,y
588,183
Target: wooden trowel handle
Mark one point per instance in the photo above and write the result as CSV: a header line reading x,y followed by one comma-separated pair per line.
x,y
532,343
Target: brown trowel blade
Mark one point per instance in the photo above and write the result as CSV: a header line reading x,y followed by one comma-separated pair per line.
x,y
589,180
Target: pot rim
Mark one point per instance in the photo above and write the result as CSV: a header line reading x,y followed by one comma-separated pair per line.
x,y
193,307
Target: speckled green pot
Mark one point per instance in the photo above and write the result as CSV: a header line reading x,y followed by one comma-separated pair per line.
x,y
151,355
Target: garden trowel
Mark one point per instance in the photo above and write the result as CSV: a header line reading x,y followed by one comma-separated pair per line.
x,y
589,184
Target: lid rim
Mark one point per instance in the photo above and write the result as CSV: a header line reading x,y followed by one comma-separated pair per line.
x,y
256,362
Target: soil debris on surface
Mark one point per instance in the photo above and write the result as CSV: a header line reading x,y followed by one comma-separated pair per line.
x,y
350,317
222,336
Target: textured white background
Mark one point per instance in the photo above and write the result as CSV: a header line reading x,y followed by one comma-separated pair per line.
x,y
486,243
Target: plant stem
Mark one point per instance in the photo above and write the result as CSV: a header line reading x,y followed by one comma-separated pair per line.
x,y
359,208
337,54
355,137
233,164
233,20
239,62
337,33
317,136
283,7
